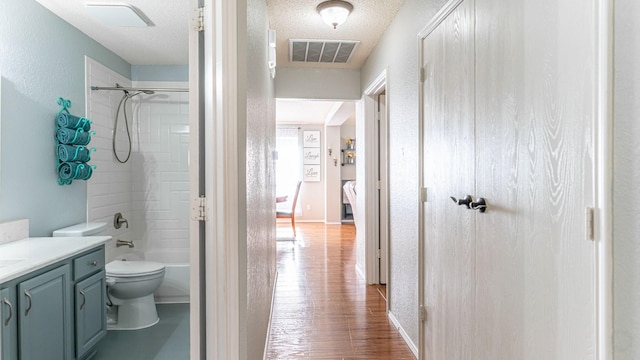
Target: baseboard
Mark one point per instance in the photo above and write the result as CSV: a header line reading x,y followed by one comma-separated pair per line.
x,y
273,297
405,336
333,223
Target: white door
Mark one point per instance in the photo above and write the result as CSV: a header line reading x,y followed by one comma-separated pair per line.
x,y
521,283
449,229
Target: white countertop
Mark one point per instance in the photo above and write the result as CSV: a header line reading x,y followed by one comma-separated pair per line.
x,y
23,256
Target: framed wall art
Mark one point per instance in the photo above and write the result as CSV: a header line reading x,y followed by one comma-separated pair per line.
x,y
311,138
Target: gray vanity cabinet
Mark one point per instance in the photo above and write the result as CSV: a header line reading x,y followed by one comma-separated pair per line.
x,y
8,324
91,318
57,312
44,315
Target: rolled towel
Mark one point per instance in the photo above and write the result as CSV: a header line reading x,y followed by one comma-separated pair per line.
x,y
73,122
73,153
69,171
73,137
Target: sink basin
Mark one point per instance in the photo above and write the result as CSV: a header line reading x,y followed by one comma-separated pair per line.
x,y
7,262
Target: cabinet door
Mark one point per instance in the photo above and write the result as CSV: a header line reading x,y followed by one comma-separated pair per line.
x,y
45,316
9,324
91,320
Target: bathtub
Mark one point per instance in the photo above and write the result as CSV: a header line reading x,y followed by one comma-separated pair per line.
x,y
175,286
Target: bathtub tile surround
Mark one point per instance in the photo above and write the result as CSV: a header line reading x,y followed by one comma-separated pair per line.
x,y
151,190
160,194
109,191
14,230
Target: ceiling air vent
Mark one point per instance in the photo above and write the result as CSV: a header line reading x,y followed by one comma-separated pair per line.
x,y
321,51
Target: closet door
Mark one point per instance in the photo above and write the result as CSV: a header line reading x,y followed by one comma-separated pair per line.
x,y
535,81
449,229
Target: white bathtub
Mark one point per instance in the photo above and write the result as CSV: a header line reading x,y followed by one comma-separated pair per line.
x,y
175,286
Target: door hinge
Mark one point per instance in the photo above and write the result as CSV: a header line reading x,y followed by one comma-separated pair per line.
x,y
590,223
423,194
422,74
379,185
200,20
378,254
423,313
199,209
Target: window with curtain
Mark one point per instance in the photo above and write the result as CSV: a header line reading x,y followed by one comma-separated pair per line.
x,y
288,168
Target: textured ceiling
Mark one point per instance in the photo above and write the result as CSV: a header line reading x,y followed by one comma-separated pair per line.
x,y
298,19
166,43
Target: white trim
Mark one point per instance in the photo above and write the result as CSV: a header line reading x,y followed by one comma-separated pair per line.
x,y
405,336
273,298
370,182
194,178
604,180
421,260
221,113
378,84
439,17
333,223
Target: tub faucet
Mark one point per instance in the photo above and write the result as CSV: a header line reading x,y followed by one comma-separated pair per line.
x,y
124,243
118,220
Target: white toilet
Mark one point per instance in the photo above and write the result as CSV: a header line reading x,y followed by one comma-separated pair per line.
x,y
130,287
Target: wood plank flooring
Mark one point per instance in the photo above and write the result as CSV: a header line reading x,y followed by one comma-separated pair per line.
x,y
322,308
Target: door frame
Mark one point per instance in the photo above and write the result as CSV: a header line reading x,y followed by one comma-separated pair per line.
x,y
214,254
372,216
603,179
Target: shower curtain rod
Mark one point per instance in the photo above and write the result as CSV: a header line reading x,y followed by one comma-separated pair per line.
x,y
139,89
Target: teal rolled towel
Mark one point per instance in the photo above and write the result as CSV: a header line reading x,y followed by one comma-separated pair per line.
x,y
73,137
73,122
70,171
73,153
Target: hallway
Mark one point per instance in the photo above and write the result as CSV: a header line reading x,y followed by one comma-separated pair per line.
x,y
322,309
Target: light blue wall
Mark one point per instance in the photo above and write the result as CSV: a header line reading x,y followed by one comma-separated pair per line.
x,y
41,59
160,72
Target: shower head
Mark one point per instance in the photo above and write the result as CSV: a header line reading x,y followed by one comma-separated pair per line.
x,y
148,92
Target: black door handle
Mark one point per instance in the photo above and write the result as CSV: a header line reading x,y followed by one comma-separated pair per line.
x,y
480,205
466,201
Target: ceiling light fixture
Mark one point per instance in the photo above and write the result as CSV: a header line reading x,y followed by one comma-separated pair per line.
x,y
334,12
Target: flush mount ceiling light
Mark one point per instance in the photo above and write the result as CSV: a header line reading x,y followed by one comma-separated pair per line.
x,y
334,12
123,15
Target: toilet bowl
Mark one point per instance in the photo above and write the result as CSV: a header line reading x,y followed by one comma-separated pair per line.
x,y
130,287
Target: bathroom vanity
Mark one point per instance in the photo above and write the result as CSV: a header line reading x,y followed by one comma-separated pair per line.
x,y
52,297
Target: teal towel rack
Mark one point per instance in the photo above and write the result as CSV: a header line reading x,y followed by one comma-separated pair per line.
x,y
73,134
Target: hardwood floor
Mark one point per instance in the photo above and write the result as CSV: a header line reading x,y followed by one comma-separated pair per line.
x,y
323,309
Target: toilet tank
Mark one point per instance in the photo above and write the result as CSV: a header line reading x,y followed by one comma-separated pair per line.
x,y
83,229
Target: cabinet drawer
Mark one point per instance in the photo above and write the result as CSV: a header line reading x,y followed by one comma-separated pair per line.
x,y
88,264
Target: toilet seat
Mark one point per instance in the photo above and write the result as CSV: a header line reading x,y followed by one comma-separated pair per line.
x,y
124,269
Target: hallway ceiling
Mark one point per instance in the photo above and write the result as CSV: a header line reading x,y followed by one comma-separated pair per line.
x,y
298,19
166,43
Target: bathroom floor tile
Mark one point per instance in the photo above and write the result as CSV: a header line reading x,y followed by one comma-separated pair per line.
x,y
168,339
